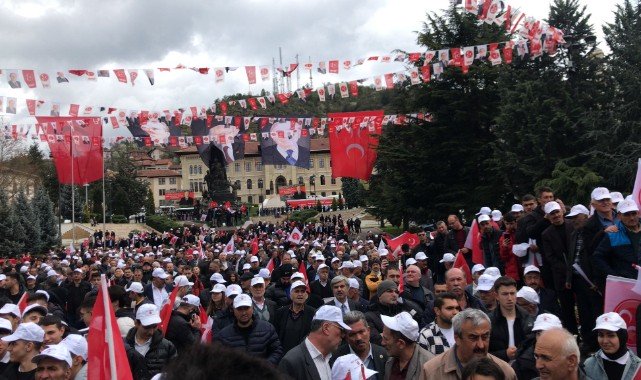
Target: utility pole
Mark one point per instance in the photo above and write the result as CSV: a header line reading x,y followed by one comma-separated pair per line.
x,y
297,73
311,79
280,57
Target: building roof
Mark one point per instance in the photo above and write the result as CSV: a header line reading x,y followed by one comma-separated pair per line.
x,y
155,173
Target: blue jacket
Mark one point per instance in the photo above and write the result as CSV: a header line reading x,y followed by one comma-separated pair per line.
x,y
615,255
260,340
594,366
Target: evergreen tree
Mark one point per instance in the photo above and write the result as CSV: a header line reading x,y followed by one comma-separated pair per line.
x,y
11,232
29,222
66,203
47,220
354,192
150,207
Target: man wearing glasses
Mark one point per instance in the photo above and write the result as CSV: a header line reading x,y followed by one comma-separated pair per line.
x,y
148,340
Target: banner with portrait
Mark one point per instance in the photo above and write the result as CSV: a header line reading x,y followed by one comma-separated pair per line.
x,y
151,128
220,138
285,141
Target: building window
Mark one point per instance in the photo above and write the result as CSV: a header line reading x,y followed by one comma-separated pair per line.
x,y
191,169
248,166
321,163
260,183
200,169
172,180
278,167
290,182
249,184
250,199
237,167
333,181
260,199
300,181
161,191
333,193
271,185
323,194
322,180
311,163
237,184
311,180
259,166
161,181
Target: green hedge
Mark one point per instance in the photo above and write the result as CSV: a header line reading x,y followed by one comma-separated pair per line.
x,y
161,223
303,215
119,219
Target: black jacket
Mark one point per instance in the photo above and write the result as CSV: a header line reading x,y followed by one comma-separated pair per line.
x,y
524,364
278,294
472,302
499,337
260,339
376,309
280,324
137,363
76,294
558,253
298,364
160,352
379,356
531,226
180,332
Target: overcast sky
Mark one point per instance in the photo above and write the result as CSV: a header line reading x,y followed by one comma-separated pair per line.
x,y
55,35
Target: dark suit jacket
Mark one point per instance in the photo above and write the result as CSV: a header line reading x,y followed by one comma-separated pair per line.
x,y
558,253
378,354
271,307
298,364
271,156
352,305
149,293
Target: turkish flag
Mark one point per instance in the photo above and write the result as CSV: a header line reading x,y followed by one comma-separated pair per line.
x,y
405,238
165,312
106,355
251,74
29,78
295,237
333,67
460,263
254,246
352,146
473,243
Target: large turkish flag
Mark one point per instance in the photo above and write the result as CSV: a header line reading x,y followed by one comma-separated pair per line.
x,y
353,138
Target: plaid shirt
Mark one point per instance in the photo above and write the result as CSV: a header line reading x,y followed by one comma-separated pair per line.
x,y
432,339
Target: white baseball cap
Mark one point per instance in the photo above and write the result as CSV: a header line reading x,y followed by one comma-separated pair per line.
x,y
483,218
447,258
148,314
531,268
56,352
546,321
322,266
26,331
528,294
233,290
247,266
182,281
403,323
484,211
243,300
497,215
616,196
218,278
44,293
517,208
10,308
77,345
5,324
346,265
296,284
218,288
478,268
610,321
351,365
159,273
257,280
34,306
420,256
330,313
361,258
627,206
551,207
254,259
520,250
191,299
51,273
353,283
135,287
335,259
578,209
30,277
357,264
264,273
486,282
600,193
297,275
410,261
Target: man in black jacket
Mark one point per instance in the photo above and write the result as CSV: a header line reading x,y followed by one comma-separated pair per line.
x,y
293,322
278,292
184,326
455,282
249,334
503,339
320,289
148,340
388,304
76,290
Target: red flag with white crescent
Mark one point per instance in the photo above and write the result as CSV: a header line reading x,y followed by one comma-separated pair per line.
x,y
473,243
405,238
229,248
296,236
251,74
22,303
254,245
461,263
165,311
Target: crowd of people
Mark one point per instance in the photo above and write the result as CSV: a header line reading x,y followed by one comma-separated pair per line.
x,y
340,305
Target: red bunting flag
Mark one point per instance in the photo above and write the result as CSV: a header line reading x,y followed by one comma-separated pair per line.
x,y
120,74
333,67
251,74
106,355
29,78
254,246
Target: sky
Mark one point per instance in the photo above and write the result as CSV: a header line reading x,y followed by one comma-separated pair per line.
x,y
58,35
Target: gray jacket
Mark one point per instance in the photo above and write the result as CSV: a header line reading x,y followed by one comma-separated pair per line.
x,y
415,365
594,366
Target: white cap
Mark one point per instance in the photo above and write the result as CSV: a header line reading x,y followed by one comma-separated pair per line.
x,y
483,218
78,270
353,283
357,264
531,268
520,250
166,260
517,208
578,209
361,258
420,256
51,273
410,261
77,345
627,206
159,273
600,193
34,306
486,282
135,287
182,281
335,259
247,266
5,324
297,275
610,321
242,300
264,273
493,271
616,196
257,280
528,294
23,269
346,265
3,277
218,288
10,308
497,215
546,321
26,331
233,290
191,299
56,352
254,259
551,207
30,277
44,293
403,323
218,278
296,284
148,314
484,211
330,313
447,258
322,266
351,365
477,268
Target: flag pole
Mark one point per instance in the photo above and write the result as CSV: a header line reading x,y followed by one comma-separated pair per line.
x,y
104,201
73,198
108,327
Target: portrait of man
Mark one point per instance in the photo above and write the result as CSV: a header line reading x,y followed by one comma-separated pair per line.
x,y
55,109
156,129
11,105
60,76
224,138
13,80
286,144
226,143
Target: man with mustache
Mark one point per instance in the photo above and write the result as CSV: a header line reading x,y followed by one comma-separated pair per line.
x,y
472,336
456,283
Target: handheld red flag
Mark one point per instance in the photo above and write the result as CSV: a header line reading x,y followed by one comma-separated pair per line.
x,y
254,245
165,312
22,303
473,243
459,262
303,271
106,358
411,239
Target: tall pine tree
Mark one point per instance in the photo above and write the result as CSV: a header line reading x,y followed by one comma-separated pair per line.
x,y
47,220
11,232
29,222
